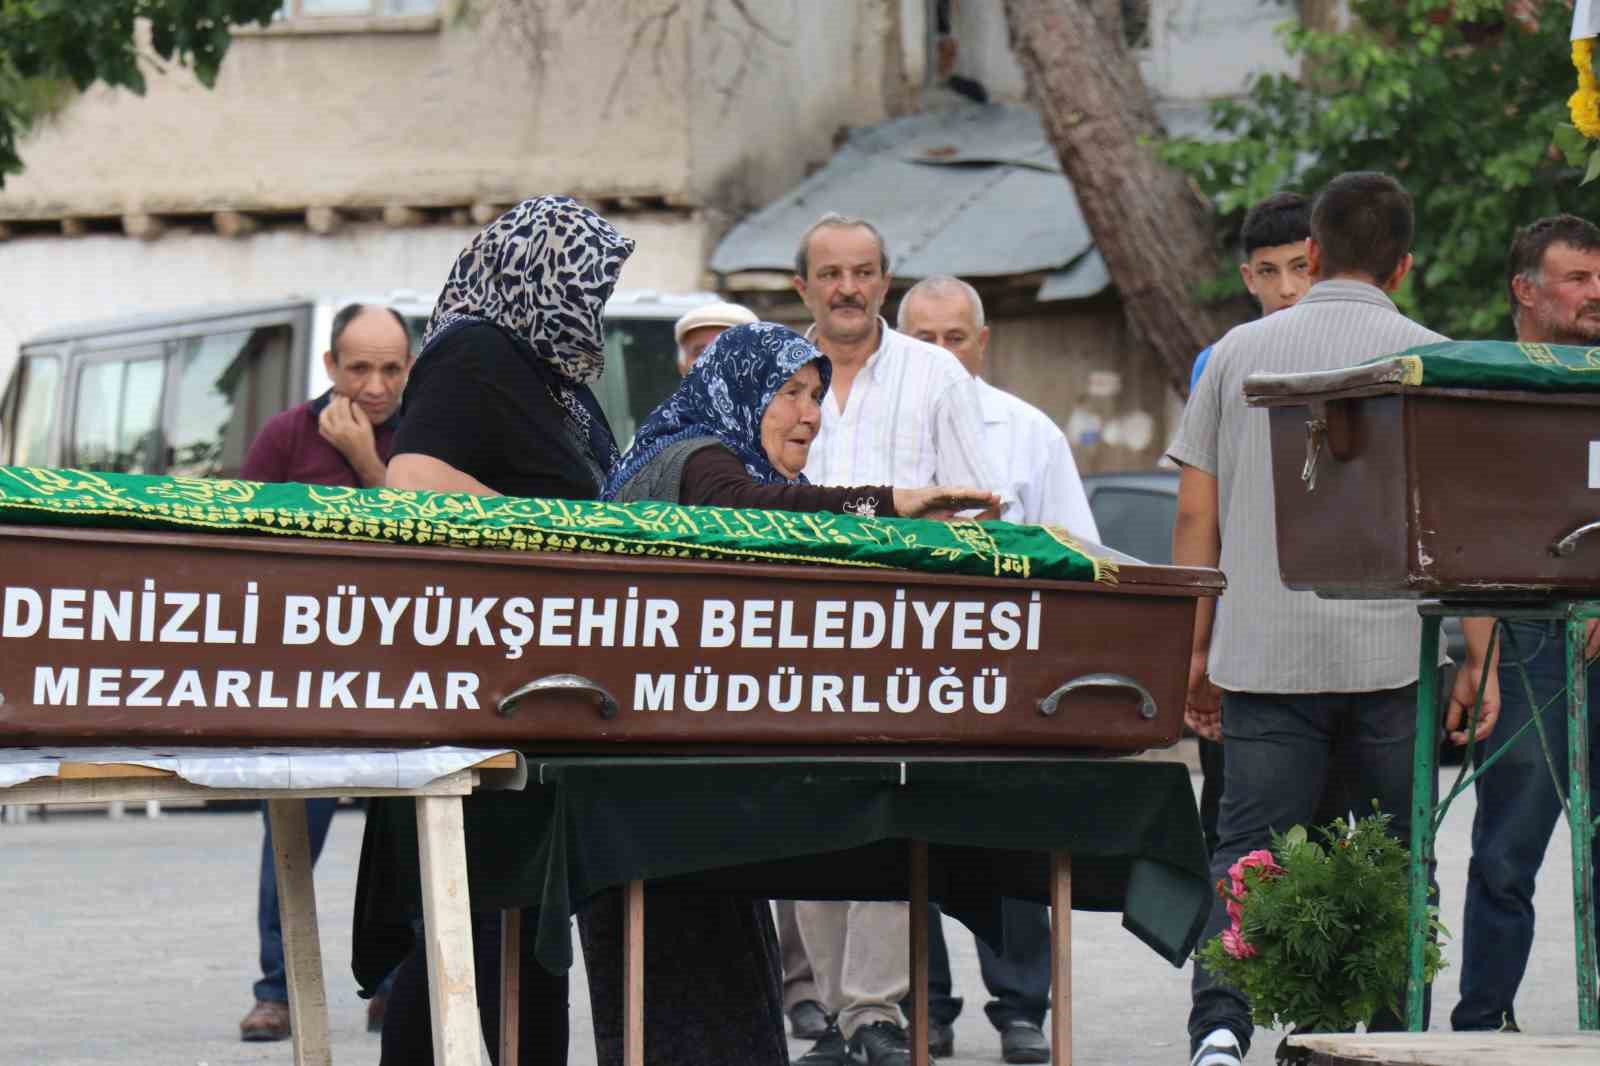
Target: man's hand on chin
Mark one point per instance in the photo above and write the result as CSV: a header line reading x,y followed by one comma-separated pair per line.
x,y
346,426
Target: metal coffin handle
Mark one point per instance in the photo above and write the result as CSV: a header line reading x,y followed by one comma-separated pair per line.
x,y
1147,702
1316,434
560,683
1569,543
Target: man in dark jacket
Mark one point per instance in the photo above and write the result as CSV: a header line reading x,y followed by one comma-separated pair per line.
x,y
342,437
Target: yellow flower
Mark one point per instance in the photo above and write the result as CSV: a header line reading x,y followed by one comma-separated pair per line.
x,y
1584,104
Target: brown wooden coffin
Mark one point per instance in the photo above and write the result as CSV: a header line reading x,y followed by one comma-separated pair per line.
x,y
1383,491
174,638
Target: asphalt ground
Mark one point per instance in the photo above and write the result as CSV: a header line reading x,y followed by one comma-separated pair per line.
x,y
133,943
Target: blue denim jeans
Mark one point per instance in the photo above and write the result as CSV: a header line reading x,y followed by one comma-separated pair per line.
x,y
1517,811
1017,978
274,981
1283,751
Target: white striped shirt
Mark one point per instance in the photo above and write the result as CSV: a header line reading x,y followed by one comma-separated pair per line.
x,y
1036,465
912,420
1267,638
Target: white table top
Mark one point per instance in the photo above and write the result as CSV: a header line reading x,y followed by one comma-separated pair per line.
x,y
272,767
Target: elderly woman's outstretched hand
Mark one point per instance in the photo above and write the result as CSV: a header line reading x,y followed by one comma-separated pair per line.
x,y
944,504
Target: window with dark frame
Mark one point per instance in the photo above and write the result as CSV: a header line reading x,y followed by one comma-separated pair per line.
x,y
1136,23
308,9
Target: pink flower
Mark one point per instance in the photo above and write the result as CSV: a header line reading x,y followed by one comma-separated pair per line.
x,y
1260,858
1235,912
1234,944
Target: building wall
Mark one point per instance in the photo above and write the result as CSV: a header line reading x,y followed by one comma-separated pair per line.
x,y
1079,365
676,102
769,100
1195,49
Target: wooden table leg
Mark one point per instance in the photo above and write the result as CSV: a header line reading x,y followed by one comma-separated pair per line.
x,y
919,953
302,951
1061,958
633,974
510,984
447,922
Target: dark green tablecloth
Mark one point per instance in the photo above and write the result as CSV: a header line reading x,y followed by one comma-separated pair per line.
x,y
808,829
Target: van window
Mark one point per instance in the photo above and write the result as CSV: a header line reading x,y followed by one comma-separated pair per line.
x,y
32,411
644,350
117,419
224,387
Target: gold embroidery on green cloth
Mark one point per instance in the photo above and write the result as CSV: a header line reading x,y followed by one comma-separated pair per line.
x,y
1497,366
1572,359
1539,354
512,523
1105,570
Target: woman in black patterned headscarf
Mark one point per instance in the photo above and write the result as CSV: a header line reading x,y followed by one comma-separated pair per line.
x,y
497,404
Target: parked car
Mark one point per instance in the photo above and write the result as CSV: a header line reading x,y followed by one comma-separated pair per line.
x,y
184,392
1136,511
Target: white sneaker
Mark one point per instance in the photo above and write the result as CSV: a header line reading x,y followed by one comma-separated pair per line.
x,y
1220,1048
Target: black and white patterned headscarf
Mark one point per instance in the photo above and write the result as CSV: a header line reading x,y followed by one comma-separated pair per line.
x,y
542,273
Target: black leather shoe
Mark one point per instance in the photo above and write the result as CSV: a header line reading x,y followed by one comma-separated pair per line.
x,y
941,1040
880,1044
1022,1041
829,1050
807,1020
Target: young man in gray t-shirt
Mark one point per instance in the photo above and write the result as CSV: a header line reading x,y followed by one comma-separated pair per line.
x,y
1308,686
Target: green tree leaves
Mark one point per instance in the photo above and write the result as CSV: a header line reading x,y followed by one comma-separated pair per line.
x,y
1458,101
46,45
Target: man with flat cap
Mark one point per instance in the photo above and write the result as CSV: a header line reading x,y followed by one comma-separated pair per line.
x,y
695,331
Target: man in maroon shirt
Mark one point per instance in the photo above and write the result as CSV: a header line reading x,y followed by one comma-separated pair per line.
x,y
343,437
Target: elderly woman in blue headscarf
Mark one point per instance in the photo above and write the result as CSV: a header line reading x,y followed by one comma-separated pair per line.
x,y
737,431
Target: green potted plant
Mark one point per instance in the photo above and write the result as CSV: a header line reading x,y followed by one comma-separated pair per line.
x,y
1317,941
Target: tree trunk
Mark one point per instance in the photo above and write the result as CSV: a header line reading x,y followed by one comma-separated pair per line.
x,y
1153,231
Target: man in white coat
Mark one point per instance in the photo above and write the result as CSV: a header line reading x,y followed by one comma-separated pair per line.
x,y
1027,448
1040,481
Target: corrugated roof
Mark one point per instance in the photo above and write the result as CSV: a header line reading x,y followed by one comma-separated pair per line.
x,y
975,191
1088,276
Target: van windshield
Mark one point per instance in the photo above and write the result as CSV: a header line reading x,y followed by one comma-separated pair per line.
x,y
30,411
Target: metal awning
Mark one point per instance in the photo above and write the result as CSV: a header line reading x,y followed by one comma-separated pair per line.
x,y
975,192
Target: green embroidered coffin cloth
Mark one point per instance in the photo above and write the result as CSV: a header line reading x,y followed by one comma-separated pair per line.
x,y
756,826
991,549
1488,365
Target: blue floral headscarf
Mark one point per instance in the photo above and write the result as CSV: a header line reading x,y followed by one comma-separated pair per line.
x,y
725,396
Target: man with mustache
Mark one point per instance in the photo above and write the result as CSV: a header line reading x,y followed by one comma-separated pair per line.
x,y
1553,281
899,412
